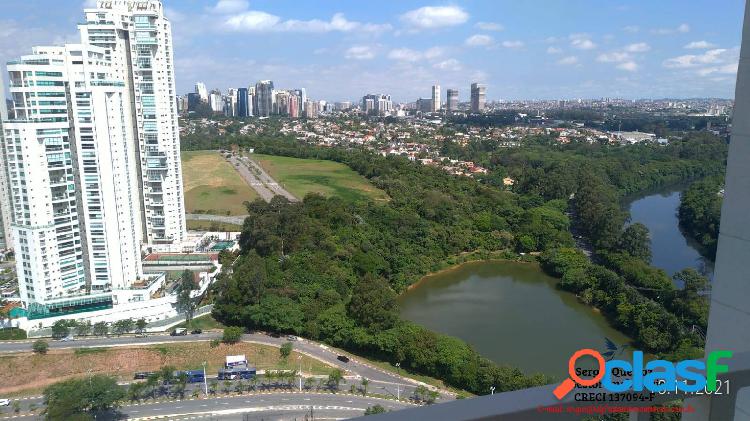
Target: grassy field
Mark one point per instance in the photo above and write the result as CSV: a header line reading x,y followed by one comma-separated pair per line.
x,y
213,186
32,372
206,322
212,226
302,176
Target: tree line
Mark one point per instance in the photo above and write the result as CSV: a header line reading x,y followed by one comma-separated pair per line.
x,y
700,213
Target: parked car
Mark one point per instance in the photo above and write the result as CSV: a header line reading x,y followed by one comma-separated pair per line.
x,y
196,332
4,402
343,358
180,331
291,338
67,339
142,375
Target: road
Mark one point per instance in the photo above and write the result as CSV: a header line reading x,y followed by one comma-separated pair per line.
x,y
381,382
256,406
237,220
259,179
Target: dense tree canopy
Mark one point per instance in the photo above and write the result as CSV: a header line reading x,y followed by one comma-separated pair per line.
x,y
700,213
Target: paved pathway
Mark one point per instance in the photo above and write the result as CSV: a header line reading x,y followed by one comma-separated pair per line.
x,y
259,179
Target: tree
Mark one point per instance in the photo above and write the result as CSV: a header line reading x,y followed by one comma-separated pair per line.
x,y
213,386
635,242
285,350
123,326
365,383
140,325
376,409
100,329
84,328
60,329
373,304
335,378
151,382
167,373
40,346
232,334
75,398
185,302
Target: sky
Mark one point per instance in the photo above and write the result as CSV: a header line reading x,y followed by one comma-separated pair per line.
x,y
340,50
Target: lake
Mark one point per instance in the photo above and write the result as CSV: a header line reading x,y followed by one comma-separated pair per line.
x,y
509,312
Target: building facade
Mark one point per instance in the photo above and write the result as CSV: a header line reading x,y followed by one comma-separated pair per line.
x,y
451,103
478,97
436,106
6,237
137,37
200,89
264,98
93,163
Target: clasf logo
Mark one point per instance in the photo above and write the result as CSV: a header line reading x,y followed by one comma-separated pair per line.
x,y
656,376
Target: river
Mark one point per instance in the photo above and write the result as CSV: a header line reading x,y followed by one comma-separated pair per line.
x,y
512,313
671,250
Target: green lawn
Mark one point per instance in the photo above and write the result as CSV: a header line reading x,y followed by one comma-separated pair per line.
x,y
302,176
213,186
206,322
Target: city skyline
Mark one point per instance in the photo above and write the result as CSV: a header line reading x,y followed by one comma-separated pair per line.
x,y
340,52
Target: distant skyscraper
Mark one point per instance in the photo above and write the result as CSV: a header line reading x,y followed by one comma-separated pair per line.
x,y
251,101
216,101
452,100
311,109
193,100
436,98
200,89
242,103
478,97
380,104
264,98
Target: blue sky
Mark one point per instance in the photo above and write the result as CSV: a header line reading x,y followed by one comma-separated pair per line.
x,y
340,50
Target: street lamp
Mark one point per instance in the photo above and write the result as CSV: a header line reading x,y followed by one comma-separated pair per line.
x,y
205,384
299,358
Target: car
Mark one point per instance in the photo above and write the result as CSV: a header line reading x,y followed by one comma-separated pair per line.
x,y
196,332
4,402
180,331
343,358
291,338
275,335
66,339
142,375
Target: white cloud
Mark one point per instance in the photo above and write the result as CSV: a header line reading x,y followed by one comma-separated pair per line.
x,y
568,61
727,69
694,60
489,26
258,21
629,66
613,57
554,50
631,28
581,42
226,7
89,4
512,44
682,28
699,45
360,52
479,40
640,47
430,17
407,54
451,65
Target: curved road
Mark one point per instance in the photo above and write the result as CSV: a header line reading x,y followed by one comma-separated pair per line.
x,y
381,382
286,405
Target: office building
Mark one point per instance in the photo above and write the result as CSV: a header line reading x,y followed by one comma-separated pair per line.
x,y
424,105
94,169
251,100
200,89
451,100
230,103
377,104
478,97
264,98
344,105
294,106
436,98
281,103
216,102
311,109
193,100
242,103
